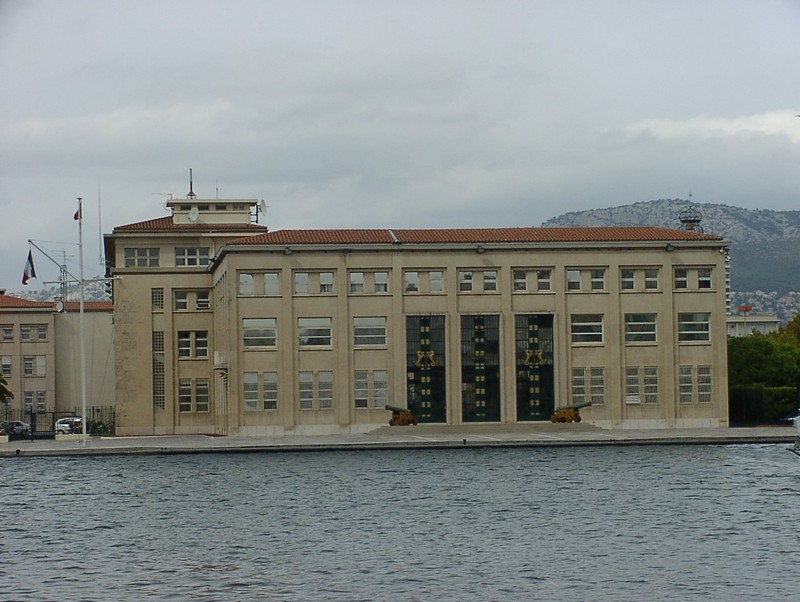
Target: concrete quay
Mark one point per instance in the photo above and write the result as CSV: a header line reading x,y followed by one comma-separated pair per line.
x,y
410,437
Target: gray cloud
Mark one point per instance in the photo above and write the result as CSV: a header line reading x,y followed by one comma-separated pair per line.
x,y
358,114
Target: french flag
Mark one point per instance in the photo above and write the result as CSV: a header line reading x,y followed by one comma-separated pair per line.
x,y
29,271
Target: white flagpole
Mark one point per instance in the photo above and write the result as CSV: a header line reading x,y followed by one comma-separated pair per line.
x,y
85,422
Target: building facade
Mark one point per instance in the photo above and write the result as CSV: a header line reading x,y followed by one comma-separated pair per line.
x,y
40,354
224,327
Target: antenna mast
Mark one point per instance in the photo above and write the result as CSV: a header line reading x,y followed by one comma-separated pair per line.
x,y
191,194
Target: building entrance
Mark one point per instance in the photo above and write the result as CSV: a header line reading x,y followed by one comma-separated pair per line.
x,y
426,384
534,366
480,368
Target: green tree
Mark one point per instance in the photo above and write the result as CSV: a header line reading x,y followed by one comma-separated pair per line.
x,y
763,379
789,333
5,394
763,360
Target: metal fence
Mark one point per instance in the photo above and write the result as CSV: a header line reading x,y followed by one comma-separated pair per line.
x,y
30,424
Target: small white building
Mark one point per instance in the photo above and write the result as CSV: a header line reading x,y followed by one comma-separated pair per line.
x,y
742,325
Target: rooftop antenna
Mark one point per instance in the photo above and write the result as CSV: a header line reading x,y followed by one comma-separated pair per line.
x,y
191,194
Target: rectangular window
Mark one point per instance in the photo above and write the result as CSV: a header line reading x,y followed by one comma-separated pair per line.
x,y
435,282
356,282
246,286
651,279
5,365
271,283
681,278
694,327
685,384
141,258
597,386
41,401
191,256
326,282
573,280
259,332
586,328
704,278
181,300
158,370
270,390
301,283
28,397
34,365
157,299
41,332
411,282
185,395
202,301
598,280
361,388
25,332
465,280
626,280
520,283
201,395
319,396
370,389
651,384
543,280
490,280
381,282
369,331
8,333
704,384
250,384
314,332
325,386
201,343
192,343
306,390
578,388
184,343
640,328
380,388
632,392
641,385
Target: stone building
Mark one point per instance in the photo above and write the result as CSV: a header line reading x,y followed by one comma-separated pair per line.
x,y
40,354
224,327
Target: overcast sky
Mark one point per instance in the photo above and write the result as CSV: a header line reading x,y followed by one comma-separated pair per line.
x,y
387,114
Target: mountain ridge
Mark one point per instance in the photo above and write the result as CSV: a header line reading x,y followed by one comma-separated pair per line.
x,y
765,249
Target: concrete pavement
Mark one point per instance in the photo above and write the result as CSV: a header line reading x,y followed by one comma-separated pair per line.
x,y
420,437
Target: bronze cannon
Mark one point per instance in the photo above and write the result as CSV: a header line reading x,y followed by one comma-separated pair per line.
x,y
401,416
569,413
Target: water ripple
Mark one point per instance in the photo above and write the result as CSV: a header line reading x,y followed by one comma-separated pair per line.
x,y
659,523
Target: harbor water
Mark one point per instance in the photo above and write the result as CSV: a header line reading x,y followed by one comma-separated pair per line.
x,y
669,522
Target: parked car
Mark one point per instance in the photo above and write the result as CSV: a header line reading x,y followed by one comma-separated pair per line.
x,y
68,425
16,427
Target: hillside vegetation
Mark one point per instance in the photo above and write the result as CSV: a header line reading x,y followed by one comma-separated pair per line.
x,y
765,249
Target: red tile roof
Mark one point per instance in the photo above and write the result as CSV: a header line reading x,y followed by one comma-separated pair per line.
x,y
474,236
165,224
75,306
7,301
